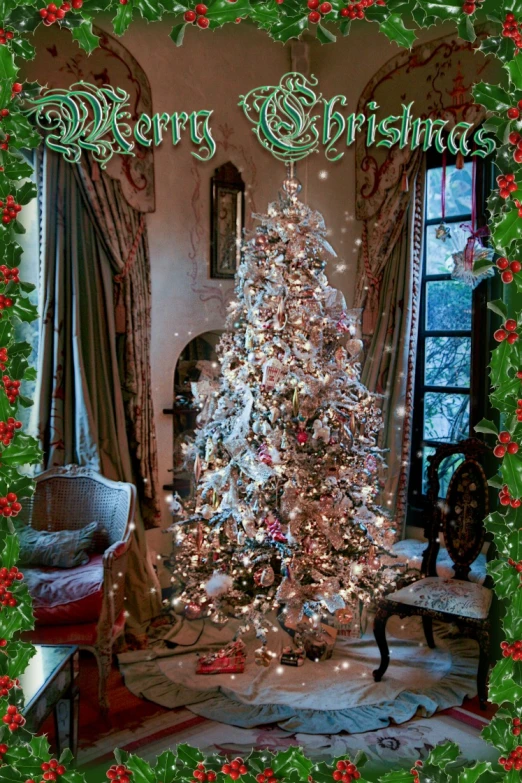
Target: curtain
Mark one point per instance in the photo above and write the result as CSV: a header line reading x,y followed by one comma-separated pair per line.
x,y
389,368
84,386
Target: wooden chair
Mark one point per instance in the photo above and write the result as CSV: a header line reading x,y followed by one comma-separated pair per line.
x,y
69,498
456,600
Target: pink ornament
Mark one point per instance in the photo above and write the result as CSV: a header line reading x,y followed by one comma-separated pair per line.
x,y
302,437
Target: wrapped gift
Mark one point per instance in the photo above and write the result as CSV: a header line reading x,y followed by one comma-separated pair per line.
x,y
293,656
319,642
348,621
229,660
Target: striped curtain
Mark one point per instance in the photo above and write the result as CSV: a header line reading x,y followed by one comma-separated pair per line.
x,y
86,384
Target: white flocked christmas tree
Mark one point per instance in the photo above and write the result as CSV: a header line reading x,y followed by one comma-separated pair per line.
x,y
285,516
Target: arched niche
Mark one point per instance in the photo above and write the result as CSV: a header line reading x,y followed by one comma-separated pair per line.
x,y
195,376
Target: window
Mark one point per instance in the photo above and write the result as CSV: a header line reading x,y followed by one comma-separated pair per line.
x,y
452,349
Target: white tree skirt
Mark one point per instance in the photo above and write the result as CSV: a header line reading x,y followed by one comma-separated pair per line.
x,y
334,695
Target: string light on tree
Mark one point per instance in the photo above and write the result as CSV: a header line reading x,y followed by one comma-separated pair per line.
x,y
286,462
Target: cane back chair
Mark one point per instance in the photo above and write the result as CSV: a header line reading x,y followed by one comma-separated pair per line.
x,y
69,498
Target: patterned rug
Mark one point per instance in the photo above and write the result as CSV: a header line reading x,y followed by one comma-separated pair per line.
x,y
392,747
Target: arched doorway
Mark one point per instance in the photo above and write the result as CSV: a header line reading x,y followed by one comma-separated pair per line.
x,y
195,376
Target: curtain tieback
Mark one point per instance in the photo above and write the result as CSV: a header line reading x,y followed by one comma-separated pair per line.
x,y
119,306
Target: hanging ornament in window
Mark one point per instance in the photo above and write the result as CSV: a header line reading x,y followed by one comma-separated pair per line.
x,y
471,263
442,231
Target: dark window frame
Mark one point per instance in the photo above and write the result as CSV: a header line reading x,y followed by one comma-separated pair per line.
x,y
481,342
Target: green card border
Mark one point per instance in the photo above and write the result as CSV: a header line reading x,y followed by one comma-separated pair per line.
x,y
25,758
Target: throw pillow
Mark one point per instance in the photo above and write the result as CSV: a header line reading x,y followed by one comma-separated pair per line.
x,y
56,549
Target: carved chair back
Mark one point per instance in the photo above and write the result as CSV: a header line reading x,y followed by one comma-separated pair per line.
x,y
460,516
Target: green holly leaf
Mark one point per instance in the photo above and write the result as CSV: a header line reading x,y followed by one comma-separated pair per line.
x,y
324,36
345,27
178,33
505,577
123,18
20,653
492,97
24,19
502,687
25,402
442,10
151,10
22,486
466,29
289,26
40,747
501,524
501,362
514,68
498,732
142,772
26,193
222,11
189,756
10,253
399,776
502,48
22,48
512,622
18,169
11,551
507,230
24,309
17,227
499,307
165,769
73,776
264,14
441,755
6,332
511,472
394,28
474,773
23,450
84,35
291,759
8,72
486,426
20,349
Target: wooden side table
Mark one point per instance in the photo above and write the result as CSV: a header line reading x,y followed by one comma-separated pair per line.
x,y
50,685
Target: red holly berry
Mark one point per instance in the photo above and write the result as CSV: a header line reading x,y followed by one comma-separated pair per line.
x,y
499,451
325,8
469,8
513,113
203,22
313,4
500,335
201,9
507,276
314,17
512,448
190,16
17,87
502,263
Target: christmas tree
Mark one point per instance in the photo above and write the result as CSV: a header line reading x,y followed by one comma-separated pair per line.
x,y
286,464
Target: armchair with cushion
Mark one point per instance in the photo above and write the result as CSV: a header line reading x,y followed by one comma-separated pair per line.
x,y
454,599
83,604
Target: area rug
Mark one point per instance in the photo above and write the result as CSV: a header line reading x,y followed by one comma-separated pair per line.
x,y
390,748
317,698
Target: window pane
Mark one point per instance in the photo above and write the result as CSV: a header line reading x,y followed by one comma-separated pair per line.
x,y
448,306
447,361
446,416
446,470
458,191
439,259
